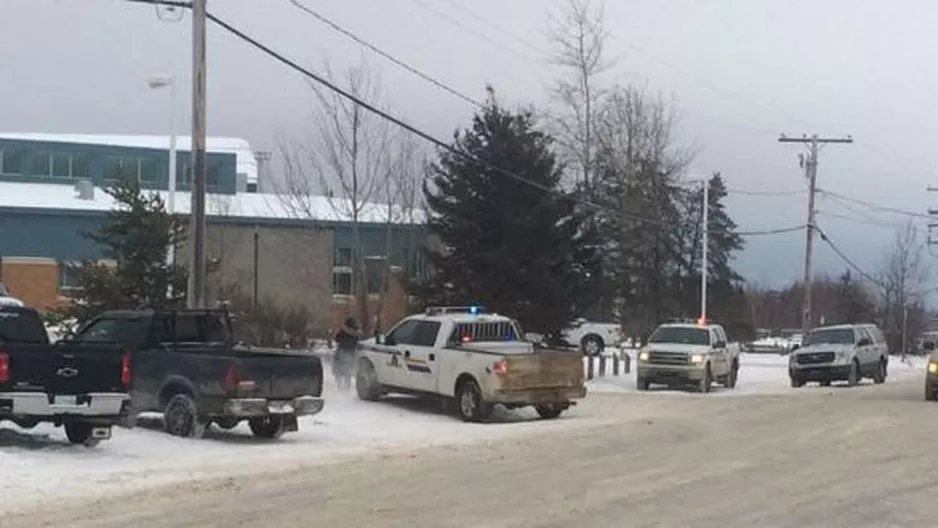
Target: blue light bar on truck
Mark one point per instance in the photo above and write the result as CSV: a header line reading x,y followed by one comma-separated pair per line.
x,y
442,310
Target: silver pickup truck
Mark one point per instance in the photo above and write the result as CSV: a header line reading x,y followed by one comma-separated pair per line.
x,y
684,354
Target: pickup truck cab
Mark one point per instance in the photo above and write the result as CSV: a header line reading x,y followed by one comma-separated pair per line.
x,y
83,387
474,359
187,367
593,337
683,353
839,353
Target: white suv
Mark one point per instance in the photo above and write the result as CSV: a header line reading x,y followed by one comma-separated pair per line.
x,y
839,353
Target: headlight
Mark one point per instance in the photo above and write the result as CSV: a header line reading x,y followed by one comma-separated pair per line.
x,y
697,358
932,368
643,355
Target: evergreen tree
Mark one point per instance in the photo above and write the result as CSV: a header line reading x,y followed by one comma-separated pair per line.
x,y
520,248
134,238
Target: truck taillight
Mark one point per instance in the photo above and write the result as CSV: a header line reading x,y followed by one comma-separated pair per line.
x,y
500,368
4,366
125,370
232,376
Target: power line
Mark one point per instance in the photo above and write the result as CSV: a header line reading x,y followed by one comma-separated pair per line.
x,y
847,259
733,190
867,221
439,84
478,34
472,14
428,137
873,205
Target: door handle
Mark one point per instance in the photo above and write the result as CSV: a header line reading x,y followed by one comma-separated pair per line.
x,y
407,353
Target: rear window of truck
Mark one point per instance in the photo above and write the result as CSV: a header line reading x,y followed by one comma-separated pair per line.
x,y
484,331
21,325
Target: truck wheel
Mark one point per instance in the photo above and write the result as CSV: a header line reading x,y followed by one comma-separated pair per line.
x,y
181,417
853,377
879,377
550,411
705,381
930,391
730,380
796,381
469,402
366,381
227,423
80,433
641,384
268,427
592,345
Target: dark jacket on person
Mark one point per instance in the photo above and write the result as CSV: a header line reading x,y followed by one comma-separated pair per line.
x,y
347,338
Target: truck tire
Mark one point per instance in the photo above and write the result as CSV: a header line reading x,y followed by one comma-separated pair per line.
x,y
469,402
930,391
641,383
796,381
592,345
80,433
705,381
550,411
729,381
879,377
366,381
267,427
181,417
853,376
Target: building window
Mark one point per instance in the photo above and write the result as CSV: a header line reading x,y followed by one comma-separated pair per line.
x,y
80,167
376,267
342,280
150,170
68,277
41,164
342,257
11,161
118,168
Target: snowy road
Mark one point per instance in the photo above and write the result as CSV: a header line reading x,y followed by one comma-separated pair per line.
x,y
772,457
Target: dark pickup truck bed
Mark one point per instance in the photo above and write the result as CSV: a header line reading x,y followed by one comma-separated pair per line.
x,y
187,367
84,388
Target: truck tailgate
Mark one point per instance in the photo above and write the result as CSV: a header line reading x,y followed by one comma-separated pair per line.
x,y
281,375
64,368
545,369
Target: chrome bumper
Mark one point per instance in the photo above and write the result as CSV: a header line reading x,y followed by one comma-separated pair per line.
x,y
250,407
38,404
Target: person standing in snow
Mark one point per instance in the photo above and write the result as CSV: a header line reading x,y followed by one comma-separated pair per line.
x,y
343,364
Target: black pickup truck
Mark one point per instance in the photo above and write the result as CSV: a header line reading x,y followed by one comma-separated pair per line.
x,y
187,366
83,387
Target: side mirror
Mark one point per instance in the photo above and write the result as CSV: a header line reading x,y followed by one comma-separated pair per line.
x,y
794,347
864,342
388,341
719,344
929,346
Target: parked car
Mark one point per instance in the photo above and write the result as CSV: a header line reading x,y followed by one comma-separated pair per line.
x,y
81,386
682,353
7,299
476,360
838,353
187,366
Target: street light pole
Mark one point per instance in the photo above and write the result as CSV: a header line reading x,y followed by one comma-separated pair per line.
x,y
158,82
704,267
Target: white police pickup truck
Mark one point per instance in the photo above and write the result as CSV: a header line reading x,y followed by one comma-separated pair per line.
x,y
474,359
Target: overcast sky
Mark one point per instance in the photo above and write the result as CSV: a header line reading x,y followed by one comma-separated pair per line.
x,y
741,72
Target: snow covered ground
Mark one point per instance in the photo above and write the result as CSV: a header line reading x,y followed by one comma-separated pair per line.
x,y
38,464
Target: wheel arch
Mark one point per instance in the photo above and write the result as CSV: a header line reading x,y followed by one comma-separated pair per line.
x,y
174,385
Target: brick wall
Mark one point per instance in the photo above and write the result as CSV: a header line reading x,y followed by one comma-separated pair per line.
x,y
33,280
393,309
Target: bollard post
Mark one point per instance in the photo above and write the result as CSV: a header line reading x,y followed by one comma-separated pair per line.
x,y
602,366
628,363
615,364
589,367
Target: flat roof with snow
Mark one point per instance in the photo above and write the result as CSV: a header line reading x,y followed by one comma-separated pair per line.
x,y
61,197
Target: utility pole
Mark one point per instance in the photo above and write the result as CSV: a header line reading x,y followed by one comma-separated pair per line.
x,y
196,294
814,145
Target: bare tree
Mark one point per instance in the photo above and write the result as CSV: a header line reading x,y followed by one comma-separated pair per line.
x,y
903,276
345,157
579,37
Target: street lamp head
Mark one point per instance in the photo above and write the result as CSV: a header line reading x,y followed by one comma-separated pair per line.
x,y
160,81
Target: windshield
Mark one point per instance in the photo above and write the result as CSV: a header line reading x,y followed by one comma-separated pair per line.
x,y
684,335
831,336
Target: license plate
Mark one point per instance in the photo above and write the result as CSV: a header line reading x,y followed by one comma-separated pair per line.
x,y
280,408
66,400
